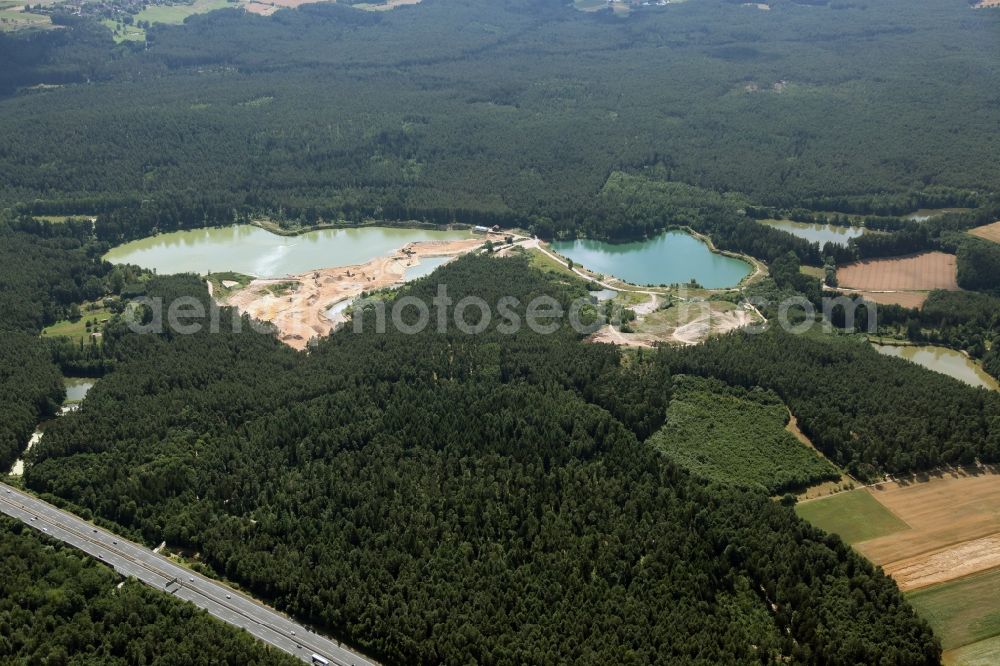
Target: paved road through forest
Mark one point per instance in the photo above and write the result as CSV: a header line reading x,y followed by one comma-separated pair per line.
x,y
131,559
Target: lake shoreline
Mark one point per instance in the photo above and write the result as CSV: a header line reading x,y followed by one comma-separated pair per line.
x,y
276,229
971,373
599,260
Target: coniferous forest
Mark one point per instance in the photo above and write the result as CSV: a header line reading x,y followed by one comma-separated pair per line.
x,y
446,498
513,111
498,498
59,607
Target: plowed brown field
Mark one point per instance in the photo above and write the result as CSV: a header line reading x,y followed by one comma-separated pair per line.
x,y
922,272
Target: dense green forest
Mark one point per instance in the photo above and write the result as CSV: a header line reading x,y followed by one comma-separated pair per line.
x,y
498,498
41,276
735,435
60,607
516,111
31,388
446,498
979,266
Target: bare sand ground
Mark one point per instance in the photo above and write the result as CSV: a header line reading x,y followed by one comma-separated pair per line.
x,y
957,561
922,272
298,307
613,336
955,527
684,324
714,323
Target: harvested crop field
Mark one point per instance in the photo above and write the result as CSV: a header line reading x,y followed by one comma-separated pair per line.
x,y
990,232
922,272
268,7
945,556
906,299
954,530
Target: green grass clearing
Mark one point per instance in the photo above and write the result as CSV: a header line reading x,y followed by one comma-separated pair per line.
x,y
78,329
547,264
962,611
856,516
124,33
222,291
738,436
281,288
813,271
11,20
176,14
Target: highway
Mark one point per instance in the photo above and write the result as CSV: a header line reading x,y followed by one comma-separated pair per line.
x,y
132,560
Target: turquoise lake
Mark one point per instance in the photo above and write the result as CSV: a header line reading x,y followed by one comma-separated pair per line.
x,y
673,257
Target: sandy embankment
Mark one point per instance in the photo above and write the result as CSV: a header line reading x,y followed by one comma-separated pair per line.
x,y
297,304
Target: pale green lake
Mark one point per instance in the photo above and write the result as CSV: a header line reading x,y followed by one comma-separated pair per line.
x,y
925,214
76,388
76,391
946,361
426,266
672,257
253,251
817,233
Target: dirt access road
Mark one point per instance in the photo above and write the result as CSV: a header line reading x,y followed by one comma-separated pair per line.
x,y
297,305
690,332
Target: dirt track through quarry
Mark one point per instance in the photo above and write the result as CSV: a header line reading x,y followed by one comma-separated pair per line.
x,y
297,304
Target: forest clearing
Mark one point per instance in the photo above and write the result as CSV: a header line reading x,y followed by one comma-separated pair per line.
x,y
297,304
738,436
922,272
990,232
